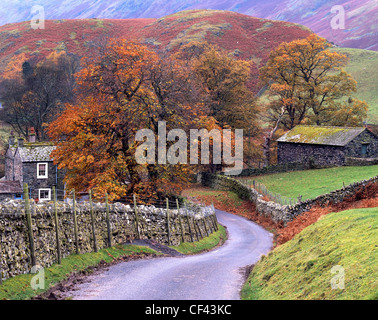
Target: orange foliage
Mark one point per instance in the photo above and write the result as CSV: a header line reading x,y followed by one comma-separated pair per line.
x,y
307,80
14,67
126,88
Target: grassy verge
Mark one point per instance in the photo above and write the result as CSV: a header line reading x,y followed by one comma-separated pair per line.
x,y
312,183
301,268
19,287
205,244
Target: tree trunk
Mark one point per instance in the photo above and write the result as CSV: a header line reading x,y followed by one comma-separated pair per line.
x,y
266,147
269,137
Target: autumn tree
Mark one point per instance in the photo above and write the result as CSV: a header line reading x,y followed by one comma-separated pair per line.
x,y
222,81
33,93
122,88
307,79
307,84
14,67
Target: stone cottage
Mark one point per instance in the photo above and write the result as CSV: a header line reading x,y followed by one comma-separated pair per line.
x,y
30,162
326,146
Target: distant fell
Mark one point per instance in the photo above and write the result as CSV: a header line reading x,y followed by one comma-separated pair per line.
x,y
359,29
242,36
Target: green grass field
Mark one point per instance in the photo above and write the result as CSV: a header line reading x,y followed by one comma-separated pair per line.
x,y
301,269
312,183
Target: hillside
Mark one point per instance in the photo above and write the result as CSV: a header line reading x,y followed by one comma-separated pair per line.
x,y
363,68
243,36
360,15
301,268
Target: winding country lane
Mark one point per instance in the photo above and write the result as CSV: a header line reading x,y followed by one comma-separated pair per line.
x,y
215,275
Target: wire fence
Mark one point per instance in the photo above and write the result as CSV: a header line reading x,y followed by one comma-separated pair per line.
x,y
129,199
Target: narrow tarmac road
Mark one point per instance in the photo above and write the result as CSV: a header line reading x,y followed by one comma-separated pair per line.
x,y
214,275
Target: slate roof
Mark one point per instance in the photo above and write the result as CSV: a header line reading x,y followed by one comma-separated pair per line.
x,y
323,135
36,153
10,187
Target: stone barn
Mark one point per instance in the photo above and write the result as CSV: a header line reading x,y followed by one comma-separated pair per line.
x,y
326,146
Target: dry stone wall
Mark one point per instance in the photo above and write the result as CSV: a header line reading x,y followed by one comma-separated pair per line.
x,y
15,254
278,212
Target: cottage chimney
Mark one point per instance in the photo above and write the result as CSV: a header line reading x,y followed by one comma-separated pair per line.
x,y
32,135
11,139
20,142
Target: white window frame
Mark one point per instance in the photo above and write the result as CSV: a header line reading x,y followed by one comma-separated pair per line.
x,y
46,175
45,199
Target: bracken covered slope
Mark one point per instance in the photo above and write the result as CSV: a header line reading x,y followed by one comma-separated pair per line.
x,y
358,31
243,36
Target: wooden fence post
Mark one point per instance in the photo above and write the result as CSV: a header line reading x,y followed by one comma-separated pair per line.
x,y
1,273
214,218
180,221
75,221
210,223
93,222
136,218
29,224
195,228
168,225
108,221
215,221
198,228
188,222
58,254
204,224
